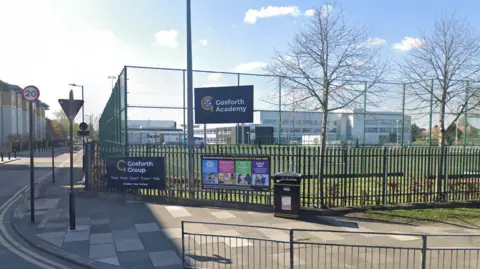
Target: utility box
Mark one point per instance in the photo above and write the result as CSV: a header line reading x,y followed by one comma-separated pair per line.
x,y
286,194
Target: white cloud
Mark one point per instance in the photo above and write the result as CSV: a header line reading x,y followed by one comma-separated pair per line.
x,y
409,43
309,12
167,38
252,15
326,10
204,42
214,76
248,67
375,41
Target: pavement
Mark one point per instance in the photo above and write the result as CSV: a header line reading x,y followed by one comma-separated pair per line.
x,y
6,160
118,232
15,252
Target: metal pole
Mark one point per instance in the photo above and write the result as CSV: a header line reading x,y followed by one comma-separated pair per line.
x,y
53,164
190,99
32,166
243,125
431,112
403,114
465,122
364,111
184,108
71,194
205,134
279,109
83,120
125,107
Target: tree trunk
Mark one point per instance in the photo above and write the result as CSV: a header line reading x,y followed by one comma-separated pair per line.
x,y
441,145
323,143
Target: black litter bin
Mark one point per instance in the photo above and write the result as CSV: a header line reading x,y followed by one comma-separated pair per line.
x,y
286,194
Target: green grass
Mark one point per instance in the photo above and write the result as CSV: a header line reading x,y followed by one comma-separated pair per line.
x,y
468,216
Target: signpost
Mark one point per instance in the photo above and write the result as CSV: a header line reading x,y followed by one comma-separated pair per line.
x,y
31,94
71,107
236,172
83,130
136,173
230,104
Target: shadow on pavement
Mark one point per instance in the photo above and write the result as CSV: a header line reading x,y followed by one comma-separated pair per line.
x,y
214,258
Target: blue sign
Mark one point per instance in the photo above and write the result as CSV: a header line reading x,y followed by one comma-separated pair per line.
x,y
136,172
224,104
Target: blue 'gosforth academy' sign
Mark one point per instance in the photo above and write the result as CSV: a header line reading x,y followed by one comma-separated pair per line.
x,y
224,104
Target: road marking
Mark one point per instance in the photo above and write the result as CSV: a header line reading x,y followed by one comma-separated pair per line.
x,y
7,241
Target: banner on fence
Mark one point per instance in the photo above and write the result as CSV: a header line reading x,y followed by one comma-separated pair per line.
x,y
136,172
224,104
236,172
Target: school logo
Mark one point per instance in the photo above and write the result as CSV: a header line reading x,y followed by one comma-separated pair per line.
x,y
207,103
121,166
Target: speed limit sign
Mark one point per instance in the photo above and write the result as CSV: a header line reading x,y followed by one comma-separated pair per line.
x,y
30,93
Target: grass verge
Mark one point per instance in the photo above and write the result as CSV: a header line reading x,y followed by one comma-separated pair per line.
x,y
462,215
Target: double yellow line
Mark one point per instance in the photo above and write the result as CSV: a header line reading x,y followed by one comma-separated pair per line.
x,y
13,246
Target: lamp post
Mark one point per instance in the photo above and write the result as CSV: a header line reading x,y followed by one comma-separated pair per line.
x,y
83,110
112,78
83,119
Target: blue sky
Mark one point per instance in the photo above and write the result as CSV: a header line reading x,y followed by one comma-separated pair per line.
x,y
50,43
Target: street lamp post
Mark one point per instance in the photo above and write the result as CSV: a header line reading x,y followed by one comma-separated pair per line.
x,y
83,120
83,107
112,78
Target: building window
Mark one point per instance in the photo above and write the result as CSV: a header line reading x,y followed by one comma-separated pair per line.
x,y
385,130
371,130
371,122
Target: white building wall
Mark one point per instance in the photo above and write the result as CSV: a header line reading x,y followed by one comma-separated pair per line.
x,y
379,126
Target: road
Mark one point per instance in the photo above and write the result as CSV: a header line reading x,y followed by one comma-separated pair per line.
x,y
15,253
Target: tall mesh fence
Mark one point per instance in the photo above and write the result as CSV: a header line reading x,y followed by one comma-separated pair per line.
x,y
385,113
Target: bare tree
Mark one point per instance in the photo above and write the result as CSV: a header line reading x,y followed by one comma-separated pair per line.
x,y
329,66
440,67
93,124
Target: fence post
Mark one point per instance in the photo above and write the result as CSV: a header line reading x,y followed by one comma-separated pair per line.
x,y
292,264
385,175
424,251
446,189
183,244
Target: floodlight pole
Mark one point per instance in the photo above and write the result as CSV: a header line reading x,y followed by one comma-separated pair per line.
x,y
190,101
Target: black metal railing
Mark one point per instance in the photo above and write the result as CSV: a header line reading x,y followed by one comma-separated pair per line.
x,y
352,177
219,245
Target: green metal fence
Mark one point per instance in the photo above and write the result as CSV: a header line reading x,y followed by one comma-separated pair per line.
x,y
113,121
148,93
351,176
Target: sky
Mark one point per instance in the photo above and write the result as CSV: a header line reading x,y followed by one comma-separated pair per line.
x,y
51,43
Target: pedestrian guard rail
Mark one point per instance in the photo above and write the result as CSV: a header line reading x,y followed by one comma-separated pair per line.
x,y
220,245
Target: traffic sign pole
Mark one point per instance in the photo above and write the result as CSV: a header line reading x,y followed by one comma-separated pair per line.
x,y
71,194
32,168
31,94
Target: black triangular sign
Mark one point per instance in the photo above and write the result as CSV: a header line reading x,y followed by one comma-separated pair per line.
x,y
70,107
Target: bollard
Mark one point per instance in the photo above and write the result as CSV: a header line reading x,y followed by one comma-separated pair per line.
x,y
1,156
53,165
9,155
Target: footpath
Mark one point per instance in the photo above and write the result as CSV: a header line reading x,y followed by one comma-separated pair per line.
x,y
115,231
